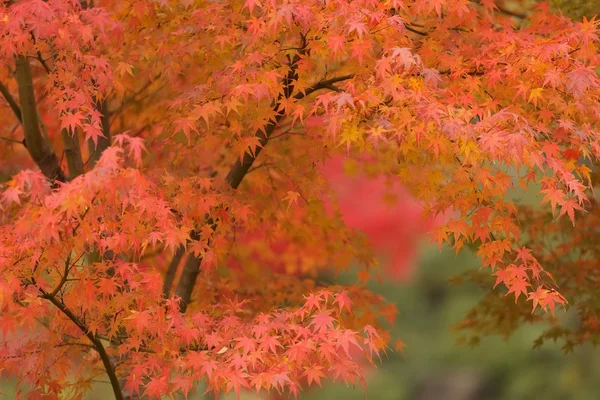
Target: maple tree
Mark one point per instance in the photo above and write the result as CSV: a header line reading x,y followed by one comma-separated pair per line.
x,y
166,212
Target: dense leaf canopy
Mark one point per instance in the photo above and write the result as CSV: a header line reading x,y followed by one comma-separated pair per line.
x,y
146,134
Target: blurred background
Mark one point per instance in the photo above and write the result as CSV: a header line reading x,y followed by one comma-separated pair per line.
x,y
434,366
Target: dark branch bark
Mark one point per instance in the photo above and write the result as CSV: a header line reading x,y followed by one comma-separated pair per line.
x,y
190,272
85,4
172,271
97,343
72,153
97,149
239,170
241,167
187,281
36,144
324,84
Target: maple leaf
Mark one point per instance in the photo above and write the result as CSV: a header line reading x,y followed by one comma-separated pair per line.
x,y
124,68
313,301
347,338
554,197
156,387
489,5
503,276
535,95
11,195
71,121
322,322
551,299
314,374
251,4
537,297
400,345
568,207
357,26
186,126
206,111
236,379
291,198
337,43
517,286
343,301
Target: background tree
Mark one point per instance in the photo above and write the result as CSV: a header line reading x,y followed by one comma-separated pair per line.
x,y
174,132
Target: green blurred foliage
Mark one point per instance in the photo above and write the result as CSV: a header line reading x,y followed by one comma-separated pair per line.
x,y
502,369
574,9
577,9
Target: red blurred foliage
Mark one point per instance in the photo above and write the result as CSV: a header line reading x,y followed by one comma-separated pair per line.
x,y
385,211
381,208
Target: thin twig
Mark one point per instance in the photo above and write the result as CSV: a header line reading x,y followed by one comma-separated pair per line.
x,y
11,140
11,102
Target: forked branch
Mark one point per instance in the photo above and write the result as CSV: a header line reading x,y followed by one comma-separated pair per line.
x,y
38,147
96,342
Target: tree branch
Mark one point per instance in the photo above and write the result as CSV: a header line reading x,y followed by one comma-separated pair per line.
x,y
11,140
104,141
413,30
43,62
72,153
134,97
11,102
324,84
172,271
63,279
240,169
38,147
187,281
511,13
96,150
98,346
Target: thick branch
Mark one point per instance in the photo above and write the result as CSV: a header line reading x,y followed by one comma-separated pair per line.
x,y
38,147
172,271
63,279
240,169
187,281
413,30
72,153
324,84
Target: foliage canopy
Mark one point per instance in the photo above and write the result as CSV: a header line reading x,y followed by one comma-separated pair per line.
x,y
153,133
